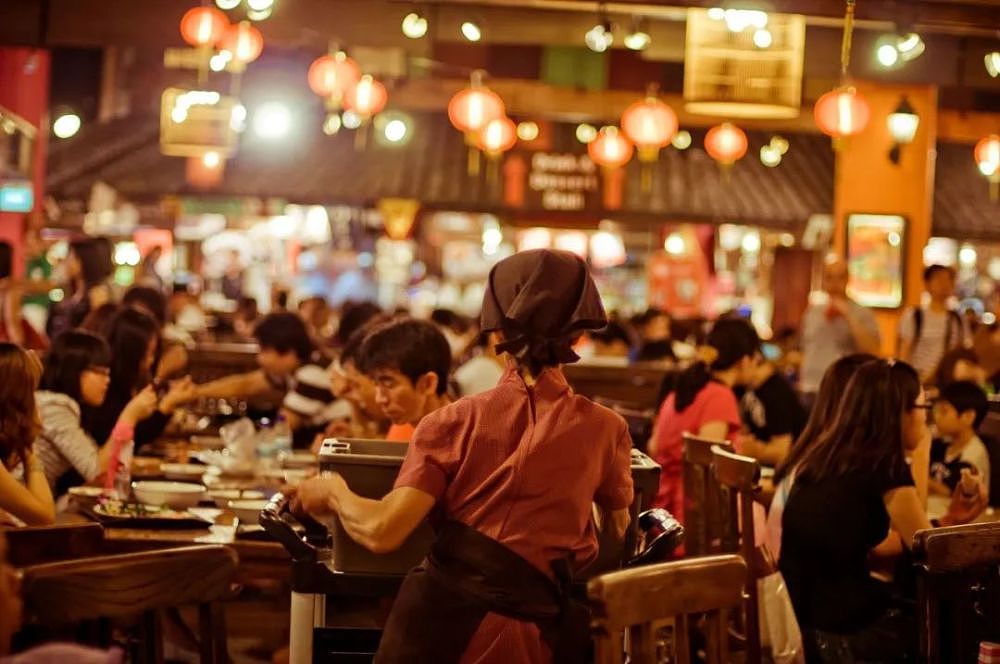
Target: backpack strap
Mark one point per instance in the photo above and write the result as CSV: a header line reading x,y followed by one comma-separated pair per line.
x,y
954,322
918,325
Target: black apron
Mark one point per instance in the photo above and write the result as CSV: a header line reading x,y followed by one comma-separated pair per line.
x,y
466,576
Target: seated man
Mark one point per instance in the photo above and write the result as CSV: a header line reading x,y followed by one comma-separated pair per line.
x,y
958,412
772,412
409,361
285,357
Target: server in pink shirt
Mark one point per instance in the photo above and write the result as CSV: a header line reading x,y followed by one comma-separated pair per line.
x,y
514,473
703,404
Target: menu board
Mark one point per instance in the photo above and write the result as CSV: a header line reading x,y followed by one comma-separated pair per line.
x,y
875,246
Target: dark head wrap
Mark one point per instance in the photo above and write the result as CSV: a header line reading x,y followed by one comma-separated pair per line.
x,y
541,300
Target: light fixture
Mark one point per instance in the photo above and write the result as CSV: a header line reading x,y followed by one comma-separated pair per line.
x,y
393,128
219,61
780,144
527,131
238,118
738,20
992,61
751,242
585,133
260,5
638,38
770,156
600,37
674,244
351,120
886,52
254,15
66,125
896,49
762,38
472,31
414,25
332,124
967,255
910,46
902,124
211,159
227,4
272,121
682,140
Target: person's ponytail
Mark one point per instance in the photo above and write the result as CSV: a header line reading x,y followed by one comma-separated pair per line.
x,y
690,382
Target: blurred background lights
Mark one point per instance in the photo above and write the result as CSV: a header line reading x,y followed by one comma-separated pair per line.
x,y
471,31
682,140
331,125
395,130
674,244
527,131
762,38
351,120
211,159
414,25
260,5
226,5
66,125
272,120
238,118
586,133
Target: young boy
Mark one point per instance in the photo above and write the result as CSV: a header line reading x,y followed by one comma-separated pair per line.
x,y
410,361
958,412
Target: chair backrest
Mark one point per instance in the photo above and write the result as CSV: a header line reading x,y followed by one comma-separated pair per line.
x,y
959,590
740,478
46,544
635,600
709,526
126,584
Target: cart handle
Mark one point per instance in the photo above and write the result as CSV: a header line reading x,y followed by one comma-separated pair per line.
x,y
277,519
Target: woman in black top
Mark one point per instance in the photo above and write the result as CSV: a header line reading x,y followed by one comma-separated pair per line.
x,y
88,268
851,485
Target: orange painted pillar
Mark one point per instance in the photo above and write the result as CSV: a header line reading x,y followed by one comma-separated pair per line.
x,y
24,90
866,181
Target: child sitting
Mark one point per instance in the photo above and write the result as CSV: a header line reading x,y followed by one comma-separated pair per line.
x,y
958,412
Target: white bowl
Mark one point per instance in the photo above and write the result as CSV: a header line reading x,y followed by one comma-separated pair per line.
x,y
175,495
221,497
183,472
248,511
85,496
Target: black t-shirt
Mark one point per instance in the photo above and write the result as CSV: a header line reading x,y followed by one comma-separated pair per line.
x,y
773,409
828,528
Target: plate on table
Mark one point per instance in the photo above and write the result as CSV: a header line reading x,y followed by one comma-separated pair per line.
x,y
115,514
221,497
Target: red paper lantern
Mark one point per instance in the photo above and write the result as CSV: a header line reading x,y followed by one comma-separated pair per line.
x,y
366,98
333,75
473,108
203,26
497,136
842,112
244,41
650,124
610,149
987,155
726,143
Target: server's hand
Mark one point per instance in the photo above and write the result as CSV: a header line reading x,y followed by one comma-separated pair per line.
x,y
316,496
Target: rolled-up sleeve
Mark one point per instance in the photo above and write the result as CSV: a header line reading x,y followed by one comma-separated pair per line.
x,y
434,453
615,491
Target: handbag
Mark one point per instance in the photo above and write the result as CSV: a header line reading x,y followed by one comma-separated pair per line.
x,y
779,629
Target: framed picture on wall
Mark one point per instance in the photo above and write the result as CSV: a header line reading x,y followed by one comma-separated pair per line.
x,y
875,259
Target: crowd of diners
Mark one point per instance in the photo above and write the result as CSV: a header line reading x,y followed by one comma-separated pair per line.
x,y
511,457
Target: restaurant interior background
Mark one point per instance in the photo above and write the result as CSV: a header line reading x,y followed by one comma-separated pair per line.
x,y
753,147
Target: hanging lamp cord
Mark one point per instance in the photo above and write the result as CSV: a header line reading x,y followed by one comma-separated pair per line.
x,y
845,47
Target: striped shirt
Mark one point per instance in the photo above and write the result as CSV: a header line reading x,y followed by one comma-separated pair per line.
x,y
62,444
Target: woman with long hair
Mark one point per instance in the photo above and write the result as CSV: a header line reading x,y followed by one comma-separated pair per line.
x,y
515,473
703,403
853,483
28,499
134,338
76,378
88,270
824,409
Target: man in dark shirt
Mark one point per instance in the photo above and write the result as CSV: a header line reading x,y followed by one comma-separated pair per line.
x,y
773,414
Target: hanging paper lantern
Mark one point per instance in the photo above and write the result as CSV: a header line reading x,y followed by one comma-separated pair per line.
x,y
987,155
244,42
726,143
203,26
842,112
333,75
366,98
497,136
650,124
610,149
474,107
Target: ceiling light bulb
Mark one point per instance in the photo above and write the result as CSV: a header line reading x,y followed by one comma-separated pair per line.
x,y
66,125
414,25
585,133
762,38
637,40
395,130
780,144
682,140
769,156
272,121
910,46
260,5
226,5
211,159
332,124
599,38
674,244
471,31
527,131
717,13
887,55
351,120
992,61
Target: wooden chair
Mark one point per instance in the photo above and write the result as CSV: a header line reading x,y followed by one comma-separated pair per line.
x,y
116,586
739,476
958,590
46,544
709,527
632,601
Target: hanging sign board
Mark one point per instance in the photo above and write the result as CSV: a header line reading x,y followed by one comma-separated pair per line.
x,y
193,122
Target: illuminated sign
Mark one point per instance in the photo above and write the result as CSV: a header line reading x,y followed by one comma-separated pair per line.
x,y
563,181
16,196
